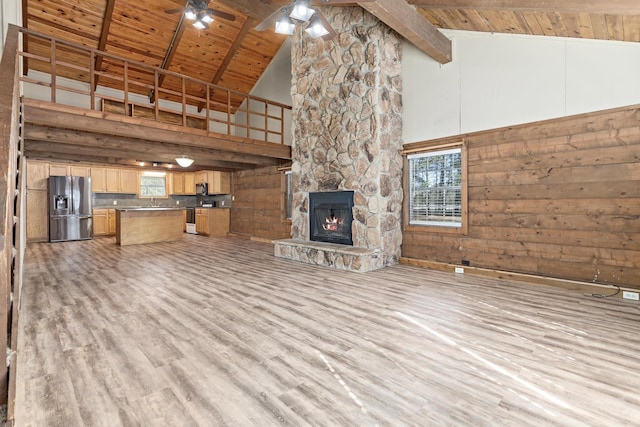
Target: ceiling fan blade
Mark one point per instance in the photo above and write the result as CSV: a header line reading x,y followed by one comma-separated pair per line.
x,y
270,20
221,14
176,10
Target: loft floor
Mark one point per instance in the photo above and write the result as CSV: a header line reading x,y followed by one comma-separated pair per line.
x,y
216,331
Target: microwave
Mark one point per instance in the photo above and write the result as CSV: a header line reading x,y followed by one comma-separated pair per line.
x,y
202,189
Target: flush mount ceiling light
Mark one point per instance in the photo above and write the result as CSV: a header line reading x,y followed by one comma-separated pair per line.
x,y
301,12
200,13
184,161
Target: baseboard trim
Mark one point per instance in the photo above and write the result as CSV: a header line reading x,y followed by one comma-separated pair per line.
x,y
572,285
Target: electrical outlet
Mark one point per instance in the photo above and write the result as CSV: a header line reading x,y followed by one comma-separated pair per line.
x,y
460,270
177,202
115,203
222,203
630,295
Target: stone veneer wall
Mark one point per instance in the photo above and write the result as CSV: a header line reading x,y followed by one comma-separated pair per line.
x,y
347,118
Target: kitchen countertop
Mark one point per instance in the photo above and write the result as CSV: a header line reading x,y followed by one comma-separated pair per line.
x,y
148,209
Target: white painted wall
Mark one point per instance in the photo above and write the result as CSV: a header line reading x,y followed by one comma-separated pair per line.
x,y
10,13
498,80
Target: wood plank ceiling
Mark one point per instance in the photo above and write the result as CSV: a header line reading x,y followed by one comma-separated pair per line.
x,y
232,54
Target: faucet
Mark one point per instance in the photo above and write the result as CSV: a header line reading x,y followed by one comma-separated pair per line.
x,y
153,202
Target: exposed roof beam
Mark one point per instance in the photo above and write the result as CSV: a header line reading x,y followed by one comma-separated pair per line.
x,y
171,51
25,39
104,34
249,23
405,19
616,7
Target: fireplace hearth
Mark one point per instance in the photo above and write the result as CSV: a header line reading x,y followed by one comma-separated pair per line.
x,y
331,216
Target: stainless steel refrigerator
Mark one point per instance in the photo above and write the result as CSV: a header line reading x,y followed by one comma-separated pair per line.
x,y
70,208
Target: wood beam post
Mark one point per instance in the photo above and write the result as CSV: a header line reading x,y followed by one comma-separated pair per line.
x,y
405,19
104,34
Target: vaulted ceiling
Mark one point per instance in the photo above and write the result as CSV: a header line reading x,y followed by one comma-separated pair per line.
x,y
233,55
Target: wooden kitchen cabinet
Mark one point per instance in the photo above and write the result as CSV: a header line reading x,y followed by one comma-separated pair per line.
x,y
58,170
113,180
219,182
98,180
79,170
104,222
100,222
189,183
129,181
176,183
37,215
37,175
212,222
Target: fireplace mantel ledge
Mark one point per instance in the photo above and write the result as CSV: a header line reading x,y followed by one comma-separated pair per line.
x,y
341,257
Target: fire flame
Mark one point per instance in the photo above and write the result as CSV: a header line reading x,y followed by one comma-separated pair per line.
x,y
332,223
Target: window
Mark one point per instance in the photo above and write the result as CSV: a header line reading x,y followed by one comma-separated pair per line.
x,y
287,195
153,184
435,188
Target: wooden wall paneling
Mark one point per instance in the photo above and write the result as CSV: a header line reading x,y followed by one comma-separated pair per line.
x,y
558,198
631,28
257,209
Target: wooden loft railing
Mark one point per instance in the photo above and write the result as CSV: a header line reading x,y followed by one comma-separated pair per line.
x,y
12,214
186,100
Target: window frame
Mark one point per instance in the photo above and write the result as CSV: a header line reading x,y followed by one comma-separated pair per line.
x,y
286,172
146,174
435,147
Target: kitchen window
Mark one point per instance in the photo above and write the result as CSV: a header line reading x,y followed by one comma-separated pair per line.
x,y
153,184
436,188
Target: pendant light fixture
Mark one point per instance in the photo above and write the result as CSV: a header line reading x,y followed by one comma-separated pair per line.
x,y
184,161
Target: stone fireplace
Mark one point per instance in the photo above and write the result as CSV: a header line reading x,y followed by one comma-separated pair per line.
x,y
347,119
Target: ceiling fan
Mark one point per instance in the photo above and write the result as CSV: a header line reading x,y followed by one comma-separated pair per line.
x,y
200,13
301,11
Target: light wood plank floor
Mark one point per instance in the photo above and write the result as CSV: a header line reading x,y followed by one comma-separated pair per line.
x,y
214,331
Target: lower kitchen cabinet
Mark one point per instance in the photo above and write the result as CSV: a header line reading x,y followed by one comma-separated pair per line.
x,y
212,222
104,222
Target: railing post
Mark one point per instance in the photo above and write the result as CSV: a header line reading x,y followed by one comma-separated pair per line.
x,y
184,103
208,113
266,121
228,113
53,71
126,89
156,95
92,80
281,124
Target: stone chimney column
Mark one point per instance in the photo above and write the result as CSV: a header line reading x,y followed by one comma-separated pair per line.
x,y
347,119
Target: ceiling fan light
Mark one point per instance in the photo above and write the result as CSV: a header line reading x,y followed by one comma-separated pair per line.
x,y
207,18
184,161
285,25
316,29
301,11
190,13
199,25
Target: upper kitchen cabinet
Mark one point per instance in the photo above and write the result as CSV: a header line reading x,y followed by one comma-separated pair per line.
x,y
189,183
129,181
218,182
79,170
37,175
58,170
110,180
182,183
98,180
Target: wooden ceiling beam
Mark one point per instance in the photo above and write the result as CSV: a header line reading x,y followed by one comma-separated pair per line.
x,y
406,21
171,51
230,54
611,7
34,148
107,124
104,34
139,149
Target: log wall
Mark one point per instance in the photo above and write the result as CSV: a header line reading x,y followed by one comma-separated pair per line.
x,y
558,198
257,207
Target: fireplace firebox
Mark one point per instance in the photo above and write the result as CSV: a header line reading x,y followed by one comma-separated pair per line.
x,y
330,217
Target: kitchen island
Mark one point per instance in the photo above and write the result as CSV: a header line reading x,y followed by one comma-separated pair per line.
x,y
148,225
